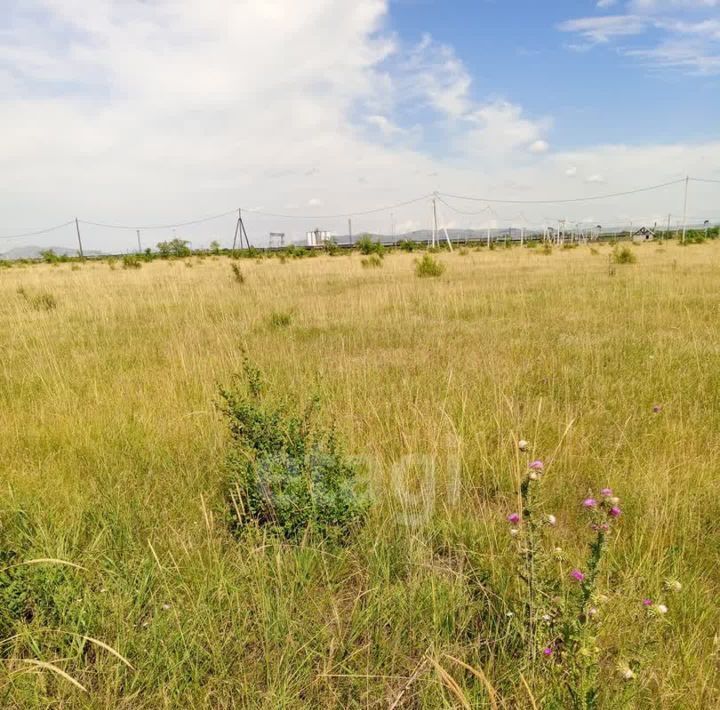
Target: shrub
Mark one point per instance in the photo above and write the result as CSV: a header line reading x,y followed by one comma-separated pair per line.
x,y
285,473
623,255
428,267
408,245
367,246
131,261
374,261
50,257
331,247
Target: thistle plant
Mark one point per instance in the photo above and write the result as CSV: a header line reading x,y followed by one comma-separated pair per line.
x,y
562,606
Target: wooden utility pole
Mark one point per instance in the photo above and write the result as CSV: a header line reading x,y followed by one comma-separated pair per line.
x,y
77,229
350,231
139,244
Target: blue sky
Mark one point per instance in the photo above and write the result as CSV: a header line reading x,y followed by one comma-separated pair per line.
x,y
156,112
519,49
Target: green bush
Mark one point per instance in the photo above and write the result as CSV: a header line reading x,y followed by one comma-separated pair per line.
x,y
131,261
286,474
428,266
623,255
367,246
408,245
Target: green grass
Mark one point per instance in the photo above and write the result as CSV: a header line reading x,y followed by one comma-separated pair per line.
x,y
113,454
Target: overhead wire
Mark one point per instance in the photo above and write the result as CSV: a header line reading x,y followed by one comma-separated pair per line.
x,y
563,200
36,232
359,213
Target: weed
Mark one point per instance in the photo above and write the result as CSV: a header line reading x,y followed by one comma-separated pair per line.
x,y
43,301
374,261
280,319
237,274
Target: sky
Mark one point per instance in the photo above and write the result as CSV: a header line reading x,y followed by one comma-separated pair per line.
x,y
142,113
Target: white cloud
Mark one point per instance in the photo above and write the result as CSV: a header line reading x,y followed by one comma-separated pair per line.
x,y
498,128
571,171
680,34
165,111
433,74
539,146
595,178
597,30
604,4
384,125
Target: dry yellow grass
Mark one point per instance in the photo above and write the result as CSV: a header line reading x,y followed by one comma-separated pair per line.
x,y
112,449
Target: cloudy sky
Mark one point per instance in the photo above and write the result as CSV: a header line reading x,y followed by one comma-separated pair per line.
x,y
151,112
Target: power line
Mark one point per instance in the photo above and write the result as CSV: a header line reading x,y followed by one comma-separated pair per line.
x,y
159,226
340,215
566,200
705,180
361,213
39,231
254,211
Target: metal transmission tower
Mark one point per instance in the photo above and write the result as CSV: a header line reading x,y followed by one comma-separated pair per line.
x,y
240,229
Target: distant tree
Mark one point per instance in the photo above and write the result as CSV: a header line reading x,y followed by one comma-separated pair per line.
x,y
49,256
175,247
214,247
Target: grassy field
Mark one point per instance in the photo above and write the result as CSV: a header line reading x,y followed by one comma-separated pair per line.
x,y
112,451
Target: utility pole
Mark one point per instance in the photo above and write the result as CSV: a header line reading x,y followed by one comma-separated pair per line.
x,y
240,229
687,180
434,232
392,226
350,231
139,244
77,229
522,236
237,227
488,241
667,231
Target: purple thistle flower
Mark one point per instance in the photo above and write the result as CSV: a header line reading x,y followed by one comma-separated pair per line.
x,y
614,512
589,503
602,527
537,466
513,518
577,575
606,492
647,602
548,651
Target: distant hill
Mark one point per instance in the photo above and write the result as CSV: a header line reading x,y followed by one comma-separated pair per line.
x,y
33,252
